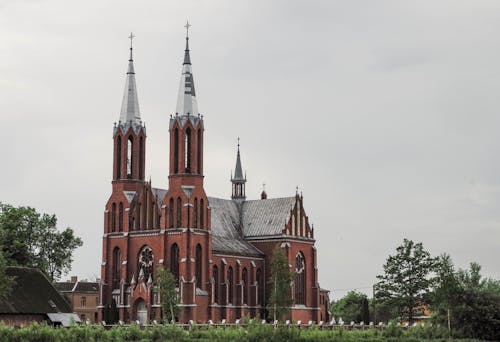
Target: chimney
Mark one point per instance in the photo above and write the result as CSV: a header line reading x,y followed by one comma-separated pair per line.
x,y
74,279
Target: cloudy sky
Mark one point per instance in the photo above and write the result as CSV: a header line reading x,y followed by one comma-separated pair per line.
x,y
385,114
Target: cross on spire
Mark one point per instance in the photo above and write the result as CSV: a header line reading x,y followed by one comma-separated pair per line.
x,y
187,26
131,37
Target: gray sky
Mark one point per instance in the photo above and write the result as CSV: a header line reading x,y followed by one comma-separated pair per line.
x,y
384,113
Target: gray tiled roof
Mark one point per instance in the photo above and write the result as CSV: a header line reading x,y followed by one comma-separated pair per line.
x,y
266,217
226,236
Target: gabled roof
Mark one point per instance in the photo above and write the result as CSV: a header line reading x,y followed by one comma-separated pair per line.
x,y
32,293
266,217
65,286
86,286
226,233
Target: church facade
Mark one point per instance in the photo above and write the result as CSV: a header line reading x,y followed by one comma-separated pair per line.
x,y
219,250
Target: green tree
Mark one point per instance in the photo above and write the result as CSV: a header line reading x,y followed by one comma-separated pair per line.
x,y
352,307
406,281
32,239
168,295
280,295
6,282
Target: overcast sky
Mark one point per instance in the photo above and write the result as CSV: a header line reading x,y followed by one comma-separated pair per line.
x,y
385,114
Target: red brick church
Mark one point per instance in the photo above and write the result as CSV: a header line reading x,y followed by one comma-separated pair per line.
x,y
218,249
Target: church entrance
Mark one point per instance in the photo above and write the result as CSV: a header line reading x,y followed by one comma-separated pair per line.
x,y
142,312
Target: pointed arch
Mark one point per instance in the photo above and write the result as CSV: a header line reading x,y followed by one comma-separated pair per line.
x,y
113,217
176,150
229,285
199,151
179,212
215,276
260,289
174,261
244,283
195,214
145,261
118,157
120,217
300,279
171,213
202,213
187,150
199,266
130,157
141,158
116,268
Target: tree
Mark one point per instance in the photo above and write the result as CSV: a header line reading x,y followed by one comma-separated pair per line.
x,y
279,283
168,295
32,239
6,282
352,307
407,279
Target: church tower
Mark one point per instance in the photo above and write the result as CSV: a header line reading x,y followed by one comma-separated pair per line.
x,y
238,180
187,217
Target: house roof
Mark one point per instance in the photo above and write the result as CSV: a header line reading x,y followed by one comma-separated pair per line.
x,y
32,293
64,286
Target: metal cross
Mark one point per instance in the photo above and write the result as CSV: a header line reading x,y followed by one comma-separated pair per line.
x,y
238,142
187,26
131,37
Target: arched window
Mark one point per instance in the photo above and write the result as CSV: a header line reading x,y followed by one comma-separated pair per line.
x,y
195,214
300,279
120,217
260,289
141,158
202,214
171,213
130,156
179,212
174,261
139,217
244,281
215,275
199,266
113,217
229,284
116,265
198,152
187,151
176,151
145,261
119,157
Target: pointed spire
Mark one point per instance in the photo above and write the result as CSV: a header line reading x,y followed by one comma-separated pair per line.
x,y
238,173
186,99
130,103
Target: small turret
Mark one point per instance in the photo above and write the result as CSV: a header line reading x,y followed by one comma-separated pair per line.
x,y
238,180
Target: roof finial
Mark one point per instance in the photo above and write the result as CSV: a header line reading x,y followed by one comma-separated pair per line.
x,y
131,37
187,26
238,144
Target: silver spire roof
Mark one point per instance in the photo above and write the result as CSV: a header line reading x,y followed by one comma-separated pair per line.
x,y
186,100
238,172
130,103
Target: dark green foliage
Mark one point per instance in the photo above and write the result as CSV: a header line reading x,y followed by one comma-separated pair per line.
x,y
6,282
352,307
279,285
31,239
407,280
168,295
470,303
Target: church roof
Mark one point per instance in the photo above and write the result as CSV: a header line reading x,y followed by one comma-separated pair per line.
x,y
130,103
266,217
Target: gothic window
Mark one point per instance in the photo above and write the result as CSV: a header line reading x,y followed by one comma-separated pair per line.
x,y
179,212
113,217
244,281
199,266
118,157
171,213
120,217
130,157
215,275
201,213
260,289
115,271
141,158
187,151
176,150
174,261
198,152
300,279
146,259
139,217
229,284
195,214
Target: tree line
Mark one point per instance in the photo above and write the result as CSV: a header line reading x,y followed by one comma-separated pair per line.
x,y
31,239
413,281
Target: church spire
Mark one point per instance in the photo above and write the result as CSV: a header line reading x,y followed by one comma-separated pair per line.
x,y
238,180
186,99
130,103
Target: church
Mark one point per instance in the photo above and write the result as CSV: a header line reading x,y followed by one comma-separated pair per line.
x,y
219,250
